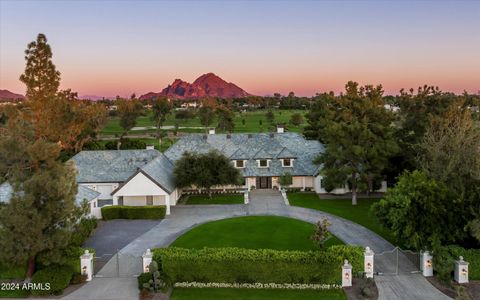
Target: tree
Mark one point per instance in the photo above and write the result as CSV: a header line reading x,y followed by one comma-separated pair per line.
x,y
358,138
161,108
321,234
285,179
41,77
205,170
420,212
128,111
42,210
296,119
225,119
270,116
319,112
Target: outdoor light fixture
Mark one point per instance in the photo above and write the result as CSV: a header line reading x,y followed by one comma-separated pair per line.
x,y
464,272
369,266
84,270
147,268
428,263
347,276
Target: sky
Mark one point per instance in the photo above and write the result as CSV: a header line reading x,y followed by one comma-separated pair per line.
x,y
109,48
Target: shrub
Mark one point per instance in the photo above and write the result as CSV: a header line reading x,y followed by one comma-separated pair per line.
x,y
82,231
126,144
143,278
185,114
79,278
229,265
133,212
57,276
445,256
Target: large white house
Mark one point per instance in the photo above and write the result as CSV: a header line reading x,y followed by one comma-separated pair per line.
x,y
145,177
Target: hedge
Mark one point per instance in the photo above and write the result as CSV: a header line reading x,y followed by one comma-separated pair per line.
x,y
472,256
230,265
133,212
58,276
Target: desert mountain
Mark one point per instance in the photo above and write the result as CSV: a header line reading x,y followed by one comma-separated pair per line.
x,y
206,85
7,95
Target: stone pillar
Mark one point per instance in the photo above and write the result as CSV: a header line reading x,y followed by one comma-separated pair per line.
x,y
461,270
426,263
167,204
86,265
147,259
368,262
346,274
245,197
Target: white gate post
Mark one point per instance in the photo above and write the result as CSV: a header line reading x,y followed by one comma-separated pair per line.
x,y
86,264
461,270
426,263
346,274
368,262
147,259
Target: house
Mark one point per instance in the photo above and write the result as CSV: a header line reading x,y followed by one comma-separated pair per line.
x,y
83,194
145,177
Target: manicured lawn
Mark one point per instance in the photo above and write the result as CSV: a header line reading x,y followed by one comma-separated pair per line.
x,y
216,199
343,207
255,232
252,122
255,294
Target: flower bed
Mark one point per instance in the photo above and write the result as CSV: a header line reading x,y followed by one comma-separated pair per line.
x,y
258,285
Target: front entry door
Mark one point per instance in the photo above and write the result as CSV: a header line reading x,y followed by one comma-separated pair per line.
x,y
264,182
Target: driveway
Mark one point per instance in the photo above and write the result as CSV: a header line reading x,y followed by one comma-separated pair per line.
x,y
262,202
111,236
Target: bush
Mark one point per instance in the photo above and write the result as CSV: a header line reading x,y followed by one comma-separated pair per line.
x,y
13,272
79,278
57,276
447,255
142,279
69,256
185,114
133,212
229,265
82,231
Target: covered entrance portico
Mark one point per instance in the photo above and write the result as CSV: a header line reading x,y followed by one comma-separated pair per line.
x,y
264,182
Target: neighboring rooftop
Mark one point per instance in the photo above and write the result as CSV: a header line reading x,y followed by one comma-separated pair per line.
x,y
111,165
84,193
252,146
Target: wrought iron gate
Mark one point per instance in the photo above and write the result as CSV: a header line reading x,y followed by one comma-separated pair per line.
x,y
117,265
397,261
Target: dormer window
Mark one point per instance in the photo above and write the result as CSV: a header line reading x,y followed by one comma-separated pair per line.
x,y
240,164
287,162
263,163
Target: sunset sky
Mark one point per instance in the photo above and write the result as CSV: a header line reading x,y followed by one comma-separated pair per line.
x,y
109,48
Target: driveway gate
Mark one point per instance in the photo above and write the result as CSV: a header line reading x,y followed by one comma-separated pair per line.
x,y
397,261
117,265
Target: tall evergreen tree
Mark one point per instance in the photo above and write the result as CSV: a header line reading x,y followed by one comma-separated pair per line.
x,y
41,77
358,138
128,111
42,211
225,119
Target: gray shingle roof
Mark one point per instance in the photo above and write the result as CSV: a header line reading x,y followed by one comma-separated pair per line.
x,y
285,153
84,193
111,165
304,151
239,155
161,170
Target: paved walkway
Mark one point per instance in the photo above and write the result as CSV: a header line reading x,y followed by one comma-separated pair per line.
x,y
262,202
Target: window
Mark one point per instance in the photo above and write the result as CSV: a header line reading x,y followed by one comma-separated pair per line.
x,y
149,200
263,163
287,162
239,164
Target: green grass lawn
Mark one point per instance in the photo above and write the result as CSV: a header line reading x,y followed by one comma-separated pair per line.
x,y
252,122
216,199
255,232
255,294
359,213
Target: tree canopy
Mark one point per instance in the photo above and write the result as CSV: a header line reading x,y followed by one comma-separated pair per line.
x,y
205,170
358,137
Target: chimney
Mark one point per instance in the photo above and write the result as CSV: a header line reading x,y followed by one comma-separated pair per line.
x,y
280,128
150,147
211,131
